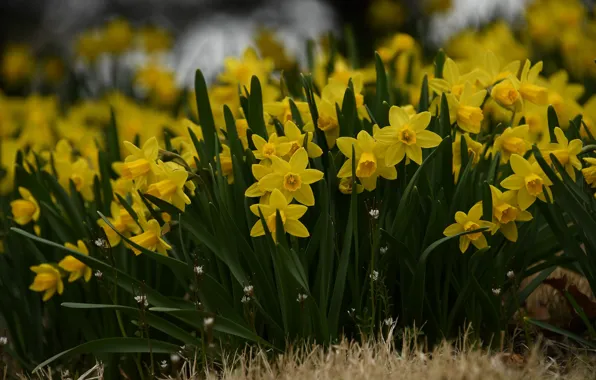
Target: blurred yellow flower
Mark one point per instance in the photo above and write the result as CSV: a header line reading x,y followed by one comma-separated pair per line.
x,y
118,36
76,268
475,150
26,209
17,64
169,184
506,213
276,146
141,165
512,141
122,222
150,239
565,151
293,135
47,279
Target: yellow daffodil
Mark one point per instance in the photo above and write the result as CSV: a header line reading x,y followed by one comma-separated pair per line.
x,y
566,152
141,165
76,268
282,111
327,121
492,72
155,40
346,186
259,171
26,209
370,161
292,178
225,159
526,84
469,222
276,146
466,110
89,45
79,173
589,171
122,222
563,96
290,213
475,150
506,213
406,136
118,36
528,180
240,71
293,135
150,239
17,64
169,186
452,82
512,141
506,95
47,279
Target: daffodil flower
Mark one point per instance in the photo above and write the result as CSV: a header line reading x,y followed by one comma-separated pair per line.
x,y
151,239
370,161
292,178
283,112
406,136
290,213
170,185
492,71
141,165
466,110
565,151
452,82
79,173
327,121
75,267
506,213
276,146
47,279
26,209
259,171
528,180
466,223
512,141
122,222
589,172
293,135
475,150
526,84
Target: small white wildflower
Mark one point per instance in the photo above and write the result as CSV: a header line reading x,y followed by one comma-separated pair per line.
x,y
388,321
245,299
248,290
510,274
100,242
208,322
198,270
496,291
301,297
163,364
383,250
374,213
374,275
3,341
98,274
142,300
174,358
351,312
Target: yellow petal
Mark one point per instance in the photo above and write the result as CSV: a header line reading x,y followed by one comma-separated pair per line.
x,y
277,200
427,139
524,199
257,229
475,212
395,154
271,181
414,153
420,121
398,116
464,243
295,211
520,165
346,169
345,146
296,228
453,229
299,160
480,243
513,182
309,176
509,230
305,195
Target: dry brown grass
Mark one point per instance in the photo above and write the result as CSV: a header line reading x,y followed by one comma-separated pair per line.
x,y
378,360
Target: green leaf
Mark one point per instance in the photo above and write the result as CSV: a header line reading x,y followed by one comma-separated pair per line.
x,y
235,144
487,202
115,345
382,96
112,139
557,330
75,218
439,63
256,122
154,321
553,122
424,96
163,205
205,115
